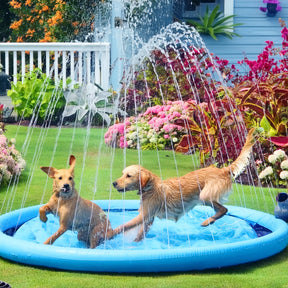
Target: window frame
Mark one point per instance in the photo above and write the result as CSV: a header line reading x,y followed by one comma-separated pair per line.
x,y
228,7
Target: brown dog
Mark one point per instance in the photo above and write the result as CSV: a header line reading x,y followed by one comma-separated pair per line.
x,y
173,197
74,212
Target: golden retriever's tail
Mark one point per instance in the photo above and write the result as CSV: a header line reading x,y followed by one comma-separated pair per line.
x,y
238,166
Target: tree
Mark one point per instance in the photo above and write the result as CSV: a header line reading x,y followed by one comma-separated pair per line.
x,y
51,20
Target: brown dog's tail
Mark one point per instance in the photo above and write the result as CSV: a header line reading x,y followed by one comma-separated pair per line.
x,y
238,166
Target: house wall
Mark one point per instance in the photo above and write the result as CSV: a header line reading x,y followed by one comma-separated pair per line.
x,y
256,29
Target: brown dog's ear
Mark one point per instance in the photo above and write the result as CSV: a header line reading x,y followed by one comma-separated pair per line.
x,y
144,177
72,162
50,171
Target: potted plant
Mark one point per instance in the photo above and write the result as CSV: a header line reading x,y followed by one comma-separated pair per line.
x,y
272,7
215,23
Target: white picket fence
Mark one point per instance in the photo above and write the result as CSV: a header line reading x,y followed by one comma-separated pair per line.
x,y
81,62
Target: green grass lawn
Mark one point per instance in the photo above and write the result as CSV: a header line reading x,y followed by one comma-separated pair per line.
x,y
97,163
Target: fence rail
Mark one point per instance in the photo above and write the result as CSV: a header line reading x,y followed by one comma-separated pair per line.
x,y
81,62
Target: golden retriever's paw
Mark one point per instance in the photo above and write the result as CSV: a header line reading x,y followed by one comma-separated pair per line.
x,y
43,218
208,222
139,238
47,242
118,230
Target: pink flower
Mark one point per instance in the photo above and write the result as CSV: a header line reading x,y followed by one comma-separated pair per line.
x,y
176,114
3,140
4,151
123,142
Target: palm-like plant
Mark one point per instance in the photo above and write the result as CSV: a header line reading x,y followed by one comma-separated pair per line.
x,y
90,98
215,23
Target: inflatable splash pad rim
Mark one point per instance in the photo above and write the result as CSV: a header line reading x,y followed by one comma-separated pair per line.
x,y
158,260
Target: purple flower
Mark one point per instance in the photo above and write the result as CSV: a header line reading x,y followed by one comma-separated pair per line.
x,y
271,1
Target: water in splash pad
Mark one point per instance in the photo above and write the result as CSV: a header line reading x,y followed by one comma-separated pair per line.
x,y
244,235
164,234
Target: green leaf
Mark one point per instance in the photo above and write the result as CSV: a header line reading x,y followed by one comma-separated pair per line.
x,y
212,16
264,123
224,19
212,34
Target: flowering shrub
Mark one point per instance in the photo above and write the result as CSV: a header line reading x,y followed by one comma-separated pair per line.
x,y
153,129
186,126
11,161
51,20
167,74
277,171
266,65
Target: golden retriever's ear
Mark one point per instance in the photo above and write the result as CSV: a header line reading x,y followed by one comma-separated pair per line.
x,y
50,171
72,162
144,177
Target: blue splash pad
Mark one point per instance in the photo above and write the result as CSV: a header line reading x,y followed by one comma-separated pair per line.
x,y
130,257
164,234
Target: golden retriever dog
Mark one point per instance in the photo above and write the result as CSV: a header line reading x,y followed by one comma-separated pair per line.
x,y
74,212
172,198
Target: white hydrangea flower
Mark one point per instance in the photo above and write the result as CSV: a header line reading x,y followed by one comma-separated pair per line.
x,y
150,134
174,139
272,159
284,165
280,154
133,135
284,175
153,139
266,172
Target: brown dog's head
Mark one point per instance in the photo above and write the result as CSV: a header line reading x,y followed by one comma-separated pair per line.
x,y
133,177
63,178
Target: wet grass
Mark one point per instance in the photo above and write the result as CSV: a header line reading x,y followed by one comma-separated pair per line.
x,y
98,163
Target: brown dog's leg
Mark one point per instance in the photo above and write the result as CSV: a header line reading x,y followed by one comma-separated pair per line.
x,y
129,225
99,235
145,227
43,211
56,235
220,212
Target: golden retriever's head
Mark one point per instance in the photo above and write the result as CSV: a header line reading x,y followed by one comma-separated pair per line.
x,y
133,177
63,178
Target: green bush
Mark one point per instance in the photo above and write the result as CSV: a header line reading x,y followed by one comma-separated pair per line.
x,y
38,97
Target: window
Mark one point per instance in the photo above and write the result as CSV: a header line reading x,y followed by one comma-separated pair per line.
x,y
191,9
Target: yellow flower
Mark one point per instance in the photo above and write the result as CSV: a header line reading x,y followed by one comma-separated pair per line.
x,y
47,37
45,8
30,32
16,24
15,4
19,39
57,18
